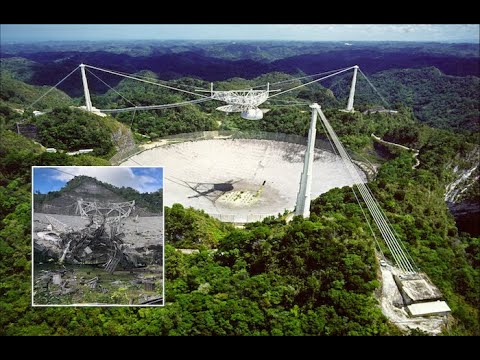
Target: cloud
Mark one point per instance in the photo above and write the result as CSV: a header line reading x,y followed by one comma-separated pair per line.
x,y
141,179
320,32
359,32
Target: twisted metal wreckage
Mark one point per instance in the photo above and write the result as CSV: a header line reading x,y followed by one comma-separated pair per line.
x,y
98,243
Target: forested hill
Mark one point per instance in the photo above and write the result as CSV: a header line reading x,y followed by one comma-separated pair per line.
x,y
266,51
439,81
439,100
91,189
18,94
214,62
444,101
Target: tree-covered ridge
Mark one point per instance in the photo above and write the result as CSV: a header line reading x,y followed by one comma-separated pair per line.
x,y
20,68
152,202
73,129
440,81
70,129
234,50
156,123
269,280
18,154
18,94
193,229
275,53
439,100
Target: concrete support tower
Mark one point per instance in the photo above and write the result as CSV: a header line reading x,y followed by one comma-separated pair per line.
x,y
88,101
304,193
352,90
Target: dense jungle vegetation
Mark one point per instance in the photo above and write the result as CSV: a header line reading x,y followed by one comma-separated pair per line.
x,y
314,276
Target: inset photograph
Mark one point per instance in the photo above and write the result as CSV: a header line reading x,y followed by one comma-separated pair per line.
x,y
97,236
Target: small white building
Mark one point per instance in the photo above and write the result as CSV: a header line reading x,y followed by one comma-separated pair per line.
x,y
81,151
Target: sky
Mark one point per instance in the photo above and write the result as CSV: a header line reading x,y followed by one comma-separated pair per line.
x,y
310,32
143,179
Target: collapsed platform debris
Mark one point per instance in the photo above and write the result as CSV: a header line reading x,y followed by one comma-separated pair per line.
x,y
93,246
72,284
100,242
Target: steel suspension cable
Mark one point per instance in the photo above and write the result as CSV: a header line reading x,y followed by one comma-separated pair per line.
x,y
392,242
145,81
123,97
374,88
157,107
311,82
53,87
354,193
